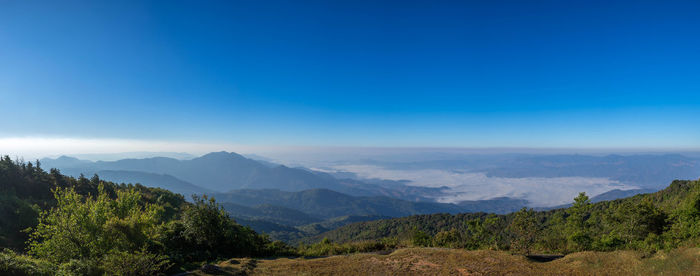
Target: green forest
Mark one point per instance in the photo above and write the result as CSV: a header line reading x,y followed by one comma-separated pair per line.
x,y
663,220
52,224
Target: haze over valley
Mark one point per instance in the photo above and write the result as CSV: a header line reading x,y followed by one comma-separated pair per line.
x,y
264,194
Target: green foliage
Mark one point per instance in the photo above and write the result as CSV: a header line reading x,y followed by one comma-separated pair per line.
x,y
553,233
646,222
685,221
577,225
134,263
75,267
15,216
87,228
20,265
327,247
94,227
206,232
635,221
420,238
449,239
525,228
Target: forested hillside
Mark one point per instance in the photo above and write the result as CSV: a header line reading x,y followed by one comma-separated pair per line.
x,y
225,171
51,223
665,219
325,203
81,226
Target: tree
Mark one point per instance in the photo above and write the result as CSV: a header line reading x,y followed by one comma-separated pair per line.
x,y
484,232
577,227
525,228
86,228
420,238
449,239
686,219
206,232
636,221
554,234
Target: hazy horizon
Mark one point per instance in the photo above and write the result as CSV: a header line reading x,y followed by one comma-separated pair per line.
x,y
459,174
30,148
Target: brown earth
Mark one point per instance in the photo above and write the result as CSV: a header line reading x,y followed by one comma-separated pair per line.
x,y
438,261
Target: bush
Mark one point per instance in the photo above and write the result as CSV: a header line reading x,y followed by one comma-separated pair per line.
x,y
87,228
13,264
449,239
608,243
278,248
206,233
420,238
82,267
327,248
138,263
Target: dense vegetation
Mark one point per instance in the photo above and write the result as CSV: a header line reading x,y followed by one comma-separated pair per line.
x,y
325,204
649,222
80,226
293,233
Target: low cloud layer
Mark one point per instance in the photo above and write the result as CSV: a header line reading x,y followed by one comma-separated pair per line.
x,y
540,191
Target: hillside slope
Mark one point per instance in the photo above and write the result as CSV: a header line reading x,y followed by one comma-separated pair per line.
x,y
677,204
434,261
328,204
225,171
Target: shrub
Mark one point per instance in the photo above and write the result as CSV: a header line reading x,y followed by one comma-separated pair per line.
x,y
449,239
87,228
12,263
81,267
327,248
420,238
137,263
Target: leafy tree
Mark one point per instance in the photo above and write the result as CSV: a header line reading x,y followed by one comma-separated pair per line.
x,y
636,221
12,263
420,238
484,233
553,235
135,263
81,228
450,239
685,220
526,229
206,232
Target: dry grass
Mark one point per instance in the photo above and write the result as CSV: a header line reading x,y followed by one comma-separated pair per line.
x,y
433,261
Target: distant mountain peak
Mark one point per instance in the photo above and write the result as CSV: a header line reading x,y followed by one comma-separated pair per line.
x,y
66,157
222,155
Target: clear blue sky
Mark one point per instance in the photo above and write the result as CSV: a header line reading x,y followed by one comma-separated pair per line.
x,y
354,73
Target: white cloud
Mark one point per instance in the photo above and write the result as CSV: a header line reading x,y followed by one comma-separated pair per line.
x,y
540,191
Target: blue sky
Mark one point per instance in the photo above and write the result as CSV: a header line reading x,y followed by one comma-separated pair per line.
x,y
589,74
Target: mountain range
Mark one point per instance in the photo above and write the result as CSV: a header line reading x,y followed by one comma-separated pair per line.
x,y
287,203
224,171
293,203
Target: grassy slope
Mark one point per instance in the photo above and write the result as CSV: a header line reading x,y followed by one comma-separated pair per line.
x,y
434,261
